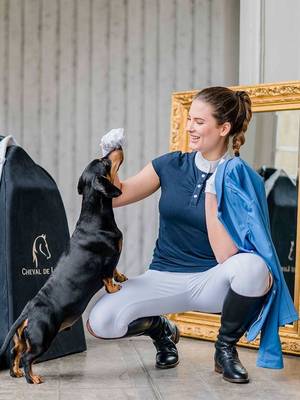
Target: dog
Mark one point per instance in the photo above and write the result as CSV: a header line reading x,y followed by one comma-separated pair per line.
x,y
89,263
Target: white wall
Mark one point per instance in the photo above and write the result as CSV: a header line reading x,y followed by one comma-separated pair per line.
x,y
71,70
269,52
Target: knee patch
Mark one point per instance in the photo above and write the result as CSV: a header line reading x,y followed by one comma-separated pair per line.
x,y
105,327
252,276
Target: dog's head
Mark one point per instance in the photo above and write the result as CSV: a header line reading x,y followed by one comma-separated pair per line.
x,y
100,173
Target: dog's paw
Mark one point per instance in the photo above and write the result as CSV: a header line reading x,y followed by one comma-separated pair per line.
x,y
120,278
113,288
16,373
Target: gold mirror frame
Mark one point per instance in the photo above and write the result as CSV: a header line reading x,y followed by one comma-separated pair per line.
x,y
265,97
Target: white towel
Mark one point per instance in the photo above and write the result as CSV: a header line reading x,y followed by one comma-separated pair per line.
x,y
112,140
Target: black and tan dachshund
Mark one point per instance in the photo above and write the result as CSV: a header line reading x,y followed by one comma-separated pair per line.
x,y
89,263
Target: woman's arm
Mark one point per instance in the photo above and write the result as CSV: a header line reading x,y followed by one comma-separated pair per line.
x,y
220,241
136,187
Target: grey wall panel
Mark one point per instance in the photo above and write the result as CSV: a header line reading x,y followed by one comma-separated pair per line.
x,y
134,126
66,82
281,36
31,77
49,86
14,73
82,88
201,44
184,44
99,76
149,129
70,70
3,61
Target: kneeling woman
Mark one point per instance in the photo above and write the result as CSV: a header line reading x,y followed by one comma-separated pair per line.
x,y
195,265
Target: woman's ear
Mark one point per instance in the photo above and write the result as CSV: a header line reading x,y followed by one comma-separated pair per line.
x,y
104,186
226,128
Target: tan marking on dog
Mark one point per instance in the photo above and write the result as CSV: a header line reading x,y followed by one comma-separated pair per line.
x,y
120,245
116,157
119,277
36,379
19,348
111,287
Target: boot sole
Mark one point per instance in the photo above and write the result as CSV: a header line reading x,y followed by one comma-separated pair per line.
x,y
239,380
167,366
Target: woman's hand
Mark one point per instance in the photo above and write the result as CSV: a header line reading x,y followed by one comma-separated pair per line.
x,y
112,140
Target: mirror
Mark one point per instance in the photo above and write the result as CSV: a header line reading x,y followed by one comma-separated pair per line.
x,y
273,152
272,149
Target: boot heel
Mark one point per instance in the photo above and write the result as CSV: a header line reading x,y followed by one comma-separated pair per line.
x,y
218,369
177,335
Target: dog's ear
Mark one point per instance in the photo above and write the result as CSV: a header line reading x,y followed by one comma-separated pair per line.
x,y
80,185
104,186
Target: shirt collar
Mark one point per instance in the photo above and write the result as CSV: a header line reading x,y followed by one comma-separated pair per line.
x,y
206,165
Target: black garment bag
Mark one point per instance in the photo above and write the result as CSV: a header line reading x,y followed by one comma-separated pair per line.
x,y
33,234
283,204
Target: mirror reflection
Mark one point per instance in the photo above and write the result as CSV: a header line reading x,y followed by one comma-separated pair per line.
x,y
271,148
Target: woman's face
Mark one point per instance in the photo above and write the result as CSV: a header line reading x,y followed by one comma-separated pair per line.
x,y
205,134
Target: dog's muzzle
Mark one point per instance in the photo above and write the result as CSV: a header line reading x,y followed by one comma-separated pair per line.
x,y
116,157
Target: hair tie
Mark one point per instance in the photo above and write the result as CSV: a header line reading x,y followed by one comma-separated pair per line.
x,y
239,93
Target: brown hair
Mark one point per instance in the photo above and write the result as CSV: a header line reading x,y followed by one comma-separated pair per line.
x,y
229,106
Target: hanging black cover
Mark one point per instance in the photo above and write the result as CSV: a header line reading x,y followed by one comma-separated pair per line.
x,y
33,234
282,204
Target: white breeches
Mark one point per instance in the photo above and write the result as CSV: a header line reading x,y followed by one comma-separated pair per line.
x,y
156,292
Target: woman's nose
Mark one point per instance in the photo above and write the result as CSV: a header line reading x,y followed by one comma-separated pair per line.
x,y
189,126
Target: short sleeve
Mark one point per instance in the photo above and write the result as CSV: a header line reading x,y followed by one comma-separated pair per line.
x,y
162,163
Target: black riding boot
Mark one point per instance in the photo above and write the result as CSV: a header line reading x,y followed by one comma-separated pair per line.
x,y
164,334
237,315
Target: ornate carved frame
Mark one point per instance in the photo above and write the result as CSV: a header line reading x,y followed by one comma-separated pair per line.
x,y
265,97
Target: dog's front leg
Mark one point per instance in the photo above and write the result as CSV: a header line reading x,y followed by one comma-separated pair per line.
x,y
111,287
119,277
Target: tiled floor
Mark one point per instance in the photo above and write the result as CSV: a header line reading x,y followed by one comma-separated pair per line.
x,y
124,369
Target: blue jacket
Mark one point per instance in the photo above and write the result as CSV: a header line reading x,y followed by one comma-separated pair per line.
x,y
243,210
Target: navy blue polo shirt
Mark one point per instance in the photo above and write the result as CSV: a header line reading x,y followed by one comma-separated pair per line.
x,y
182,244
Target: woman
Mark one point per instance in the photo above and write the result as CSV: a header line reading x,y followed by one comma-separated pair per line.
x,y
195,265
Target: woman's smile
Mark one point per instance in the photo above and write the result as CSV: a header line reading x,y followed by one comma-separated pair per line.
x,y
194,138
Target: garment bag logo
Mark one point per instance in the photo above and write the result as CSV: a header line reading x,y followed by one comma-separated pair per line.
x,y
40,253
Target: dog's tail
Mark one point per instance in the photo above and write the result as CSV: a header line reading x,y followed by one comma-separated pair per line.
x,y
12,331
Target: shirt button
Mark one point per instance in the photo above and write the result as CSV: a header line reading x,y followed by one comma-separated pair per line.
x,y
203,175
198,185
195,195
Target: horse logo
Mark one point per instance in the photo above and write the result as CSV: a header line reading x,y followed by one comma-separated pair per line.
x,y
40,247
290,256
